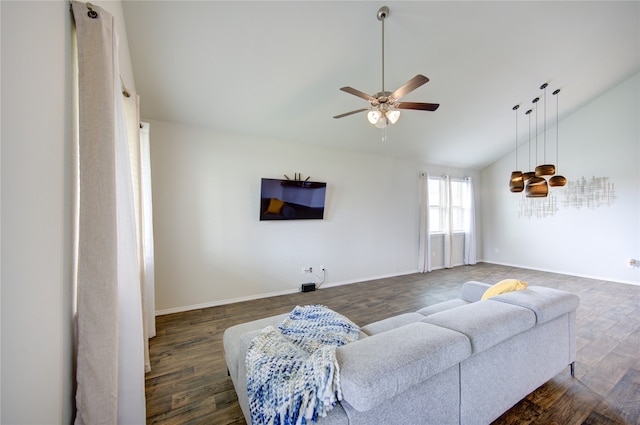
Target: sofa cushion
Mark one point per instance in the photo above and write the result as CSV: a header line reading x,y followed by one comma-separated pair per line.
x,y
472,290
485,323
384,365
504,286
546,303
445,305
391,323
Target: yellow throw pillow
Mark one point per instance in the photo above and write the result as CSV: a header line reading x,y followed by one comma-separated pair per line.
x,y
275,205
504,286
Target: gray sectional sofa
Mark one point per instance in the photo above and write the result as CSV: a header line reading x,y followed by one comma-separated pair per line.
x,y
463,361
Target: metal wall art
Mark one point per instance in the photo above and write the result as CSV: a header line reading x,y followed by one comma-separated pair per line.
x,y
592,193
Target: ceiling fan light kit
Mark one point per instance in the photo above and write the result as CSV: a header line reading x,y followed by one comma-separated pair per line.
x,y
383,117
534,182
384,106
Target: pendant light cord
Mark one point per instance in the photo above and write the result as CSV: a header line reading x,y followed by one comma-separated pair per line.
x,y
535,101
515,108
555,93
544,94
529,149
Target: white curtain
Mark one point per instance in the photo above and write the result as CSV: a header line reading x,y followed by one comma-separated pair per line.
x,y
110,319
139,158
470,225
147,233
424,239
448,223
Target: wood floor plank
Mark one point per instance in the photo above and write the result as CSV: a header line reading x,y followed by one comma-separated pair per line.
x,y
571,408
623,401
596,418
547,394
188,383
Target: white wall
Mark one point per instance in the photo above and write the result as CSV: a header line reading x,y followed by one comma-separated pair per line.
x,y
212,249
603,140
36,209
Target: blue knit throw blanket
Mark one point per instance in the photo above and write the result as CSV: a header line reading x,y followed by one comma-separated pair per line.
x,y
292,372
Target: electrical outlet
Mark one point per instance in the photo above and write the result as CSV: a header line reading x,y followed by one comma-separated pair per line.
x,y
307,270
322,268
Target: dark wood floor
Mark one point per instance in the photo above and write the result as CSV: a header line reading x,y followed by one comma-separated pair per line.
x,y
188,383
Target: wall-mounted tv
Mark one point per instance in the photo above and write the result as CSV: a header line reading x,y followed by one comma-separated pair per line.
x,y
291,200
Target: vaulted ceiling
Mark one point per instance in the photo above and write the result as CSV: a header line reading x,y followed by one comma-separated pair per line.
x,y
274,69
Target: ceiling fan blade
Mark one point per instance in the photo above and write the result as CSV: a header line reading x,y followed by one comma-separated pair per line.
x,y
417,105
351,113
409,86
358,93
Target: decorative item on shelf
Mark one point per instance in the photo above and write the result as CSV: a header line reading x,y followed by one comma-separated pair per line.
x,y
557,180
297,181
545,169
516,183
536,186
296,177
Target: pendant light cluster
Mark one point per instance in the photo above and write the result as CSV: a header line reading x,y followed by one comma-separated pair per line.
x,y
534,183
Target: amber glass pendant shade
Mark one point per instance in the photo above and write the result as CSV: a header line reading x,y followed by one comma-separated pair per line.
x,y
516,184
545,170
527,176
535,181
557,181
537,188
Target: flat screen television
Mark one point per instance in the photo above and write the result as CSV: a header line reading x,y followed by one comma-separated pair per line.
x,y
292,200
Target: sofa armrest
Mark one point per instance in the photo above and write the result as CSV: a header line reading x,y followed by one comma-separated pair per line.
x,y
472,291
231,340
384,365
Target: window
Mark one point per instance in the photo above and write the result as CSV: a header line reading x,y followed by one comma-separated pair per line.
x,y
436,205
458,204
440,208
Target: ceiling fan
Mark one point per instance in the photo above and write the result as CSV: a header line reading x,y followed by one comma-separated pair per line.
x,y
385,106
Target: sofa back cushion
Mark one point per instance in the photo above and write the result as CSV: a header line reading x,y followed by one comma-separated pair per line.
x,y
485,323
472,291
546,303
391,323
384,365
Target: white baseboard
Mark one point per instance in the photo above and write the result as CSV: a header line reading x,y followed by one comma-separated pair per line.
x,y
364,279
270,294
223,302
586,276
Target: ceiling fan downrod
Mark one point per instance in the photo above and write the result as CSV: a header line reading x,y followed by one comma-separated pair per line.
x,y
383,12
384,107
